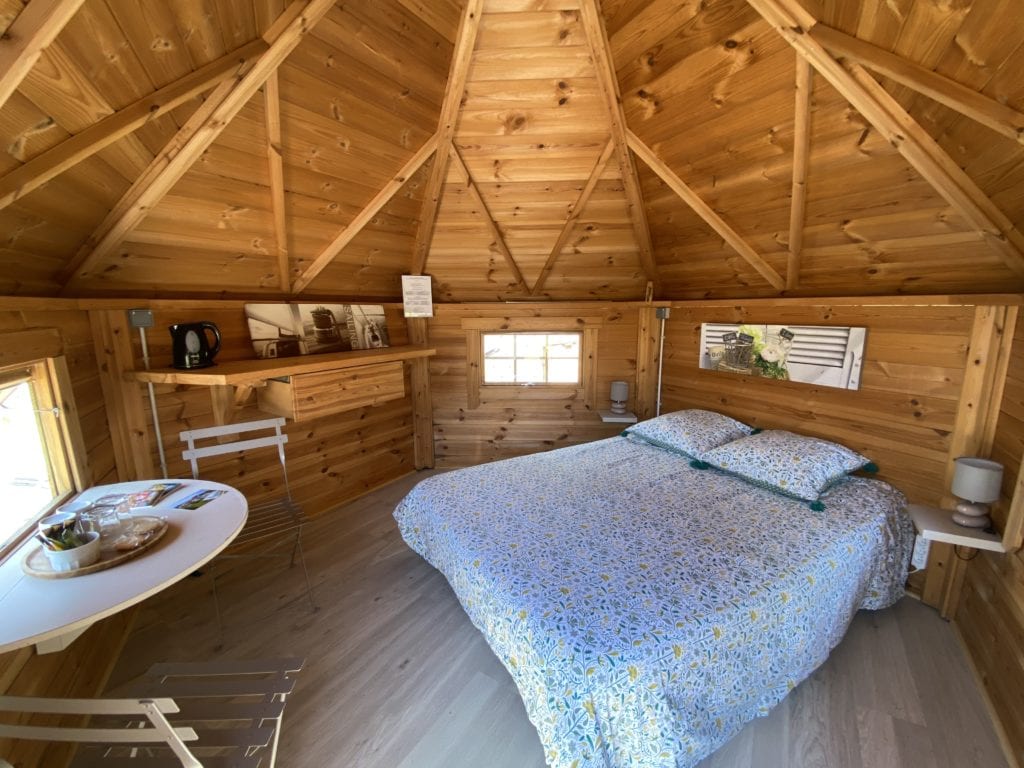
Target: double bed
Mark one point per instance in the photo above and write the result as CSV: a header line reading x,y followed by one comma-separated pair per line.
x,y
648,606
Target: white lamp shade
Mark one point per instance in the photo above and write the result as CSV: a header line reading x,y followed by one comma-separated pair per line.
x,y
977,479
619,392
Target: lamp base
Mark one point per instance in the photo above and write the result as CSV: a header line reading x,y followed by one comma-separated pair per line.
x,y
618,408
972,515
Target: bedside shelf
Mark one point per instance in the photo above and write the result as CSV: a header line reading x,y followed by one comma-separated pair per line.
x,y
937,525
618,418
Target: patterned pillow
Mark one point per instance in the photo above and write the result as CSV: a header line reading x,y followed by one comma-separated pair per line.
x,y
692,432
796,465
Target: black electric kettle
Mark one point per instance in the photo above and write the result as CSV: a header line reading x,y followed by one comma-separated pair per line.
x,y
190,347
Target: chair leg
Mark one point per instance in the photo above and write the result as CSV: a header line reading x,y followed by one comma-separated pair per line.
x,y
305,571
216,602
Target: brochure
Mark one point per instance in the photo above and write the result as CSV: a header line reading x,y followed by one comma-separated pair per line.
x,y
198,499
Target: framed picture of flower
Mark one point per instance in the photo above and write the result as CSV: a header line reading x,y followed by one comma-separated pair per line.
x,y
829,356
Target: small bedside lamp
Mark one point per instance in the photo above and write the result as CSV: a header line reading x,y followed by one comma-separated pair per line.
x,y
619,395
977,481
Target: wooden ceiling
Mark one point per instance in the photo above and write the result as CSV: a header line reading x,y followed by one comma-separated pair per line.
x,y
512,149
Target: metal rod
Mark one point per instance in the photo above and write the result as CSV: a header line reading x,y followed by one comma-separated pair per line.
x,y
152,405
661,355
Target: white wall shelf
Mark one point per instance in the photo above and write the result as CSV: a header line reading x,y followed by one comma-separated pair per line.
x,y
618,418
937,525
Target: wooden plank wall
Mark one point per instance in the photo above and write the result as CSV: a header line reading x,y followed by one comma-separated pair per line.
x,y
501,428
83,668
990,618
901,417
331,460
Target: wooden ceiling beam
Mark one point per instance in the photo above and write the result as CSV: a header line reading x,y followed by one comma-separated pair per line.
x,y
877,106
361,219
51,163
283,36
801,152
608,84
27,37
968,102
705,211
275,162
575,211
499,240
465,42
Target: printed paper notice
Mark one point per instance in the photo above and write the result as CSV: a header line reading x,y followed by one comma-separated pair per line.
x,y
416,296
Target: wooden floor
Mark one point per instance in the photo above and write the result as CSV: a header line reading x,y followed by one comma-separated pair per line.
x,y
397,677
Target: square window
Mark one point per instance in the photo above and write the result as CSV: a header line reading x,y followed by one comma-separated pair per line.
x,y
531,358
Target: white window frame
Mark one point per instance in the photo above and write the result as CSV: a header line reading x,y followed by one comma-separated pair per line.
x,y
547,359
477,392
36,355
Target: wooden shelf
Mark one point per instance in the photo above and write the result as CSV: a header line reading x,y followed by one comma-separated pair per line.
x,y
250,372
937,525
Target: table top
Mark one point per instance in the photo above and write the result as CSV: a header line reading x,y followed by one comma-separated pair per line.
x,y
35,609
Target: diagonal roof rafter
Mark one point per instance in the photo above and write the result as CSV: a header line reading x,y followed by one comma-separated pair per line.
x,y
285,34
869,98
597,40
361,219
702,209
462,55
29,35
575,211
498,239
978,107
84,144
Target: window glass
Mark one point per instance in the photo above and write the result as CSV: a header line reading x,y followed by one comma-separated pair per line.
x,y
531,358
26,479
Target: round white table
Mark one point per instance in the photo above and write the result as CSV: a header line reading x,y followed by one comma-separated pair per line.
x,y
52,612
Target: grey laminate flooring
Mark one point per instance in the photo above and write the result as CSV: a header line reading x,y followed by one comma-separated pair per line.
x,y
397,677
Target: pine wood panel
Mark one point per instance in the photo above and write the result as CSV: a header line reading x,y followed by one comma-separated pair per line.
x,y
504,426
330,458
902,415
991,612
82,669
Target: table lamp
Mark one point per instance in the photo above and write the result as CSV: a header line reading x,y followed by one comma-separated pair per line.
x,y
977,482
619,395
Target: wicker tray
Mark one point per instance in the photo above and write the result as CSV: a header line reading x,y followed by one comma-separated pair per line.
x,y
36,563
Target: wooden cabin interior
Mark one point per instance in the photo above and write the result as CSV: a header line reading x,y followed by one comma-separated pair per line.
x,y
551,165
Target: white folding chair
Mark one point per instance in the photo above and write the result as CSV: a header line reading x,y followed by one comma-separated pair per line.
x,y
199,715
268,520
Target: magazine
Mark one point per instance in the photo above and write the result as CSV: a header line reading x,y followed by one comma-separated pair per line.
x,y
200,498
148,497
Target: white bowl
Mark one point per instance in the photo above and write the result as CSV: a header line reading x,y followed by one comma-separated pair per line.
x,y
79,557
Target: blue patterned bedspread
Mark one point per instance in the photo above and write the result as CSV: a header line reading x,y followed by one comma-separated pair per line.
x,y
645,609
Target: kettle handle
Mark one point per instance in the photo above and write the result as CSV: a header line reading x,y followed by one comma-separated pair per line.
x,y
216,337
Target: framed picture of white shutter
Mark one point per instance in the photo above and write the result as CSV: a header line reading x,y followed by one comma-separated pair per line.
x,y
825,355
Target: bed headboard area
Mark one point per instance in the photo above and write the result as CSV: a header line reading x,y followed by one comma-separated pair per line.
x,y
921,398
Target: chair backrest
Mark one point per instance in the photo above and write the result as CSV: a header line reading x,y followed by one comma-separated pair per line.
x,y
153,710
193,453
